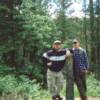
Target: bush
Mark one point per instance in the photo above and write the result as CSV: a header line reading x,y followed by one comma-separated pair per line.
x,y
21,88
93,87
4,69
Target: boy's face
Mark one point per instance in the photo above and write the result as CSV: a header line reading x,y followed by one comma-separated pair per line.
x,y
56,46
76,44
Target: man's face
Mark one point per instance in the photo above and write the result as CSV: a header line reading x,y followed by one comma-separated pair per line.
x,y
56,46
76,44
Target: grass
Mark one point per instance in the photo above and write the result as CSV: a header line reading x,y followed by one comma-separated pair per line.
x,y
24,87
93,88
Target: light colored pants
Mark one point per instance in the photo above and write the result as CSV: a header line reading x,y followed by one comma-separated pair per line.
x,y
55,82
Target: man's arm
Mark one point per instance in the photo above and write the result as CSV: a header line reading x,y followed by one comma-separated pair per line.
x,y
44,60
47,62
86,61
68,53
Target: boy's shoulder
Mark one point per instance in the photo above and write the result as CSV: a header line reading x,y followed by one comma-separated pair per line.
x,y
82,49
49,51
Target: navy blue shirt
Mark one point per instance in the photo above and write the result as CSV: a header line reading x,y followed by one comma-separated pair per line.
x,y
57,58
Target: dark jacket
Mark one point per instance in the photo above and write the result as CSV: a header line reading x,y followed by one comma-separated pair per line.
x,y
57,58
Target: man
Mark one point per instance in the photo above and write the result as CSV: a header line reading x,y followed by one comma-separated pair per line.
x,y
80,67
55,62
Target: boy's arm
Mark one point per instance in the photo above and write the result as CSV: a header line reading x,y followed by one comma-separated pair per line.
x,y
86,61
47,62
68,53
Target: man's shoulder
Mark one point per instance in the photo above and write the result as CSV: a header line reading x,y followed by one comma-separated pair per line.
x,y
49,51
63,49
82,49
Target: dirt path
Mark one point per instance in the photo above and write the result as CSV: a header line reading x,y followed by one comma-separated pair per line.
x,y
89,98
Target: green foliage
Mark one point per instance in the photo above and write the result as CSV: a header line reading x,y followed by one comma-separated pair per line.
x,y
69,29
20,88
26,31
33,72
5,41
92,87
4,70
29,31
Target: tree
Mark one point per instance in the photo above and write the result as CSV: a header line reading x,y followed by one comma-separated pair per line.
x,y
97,36
94,33
93,53
85,26
26,36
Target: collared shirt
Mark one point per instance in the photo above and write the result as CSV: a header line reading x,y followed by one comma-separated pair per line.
x,y
80,59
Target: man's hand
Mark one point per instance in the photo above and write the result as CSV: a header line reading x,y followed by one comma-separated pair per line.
x,y
49,64
84,71
68,53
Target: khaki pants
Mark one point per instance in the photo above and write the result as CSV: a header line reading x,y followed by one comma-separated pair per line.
x,y
55,82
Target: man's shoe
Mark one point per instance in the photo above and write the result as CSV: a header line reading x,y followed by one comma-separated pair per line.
x,y
54,97
83,97
57,97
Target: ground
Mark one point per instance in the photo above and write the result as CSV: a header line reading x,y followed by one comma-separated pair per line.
x,y
90,98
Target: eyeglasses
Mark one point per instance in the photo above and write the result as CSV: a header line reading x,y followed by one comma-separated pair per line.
x,y
74,42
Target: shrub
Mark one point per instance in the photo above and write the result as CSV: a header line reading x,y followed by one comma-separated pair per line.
x,y
12,88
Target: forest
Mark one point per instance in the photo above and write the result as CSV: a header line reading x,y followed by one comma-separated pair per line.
x,y
28,28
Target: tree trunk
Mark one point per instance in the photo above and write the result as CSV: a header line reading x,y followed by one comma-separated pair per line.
x,y
85,27
92,34
98,37
70,80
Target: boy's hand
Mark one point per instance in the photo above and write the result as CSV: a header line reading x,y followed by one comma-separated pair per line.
x,y
84,71
49,64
